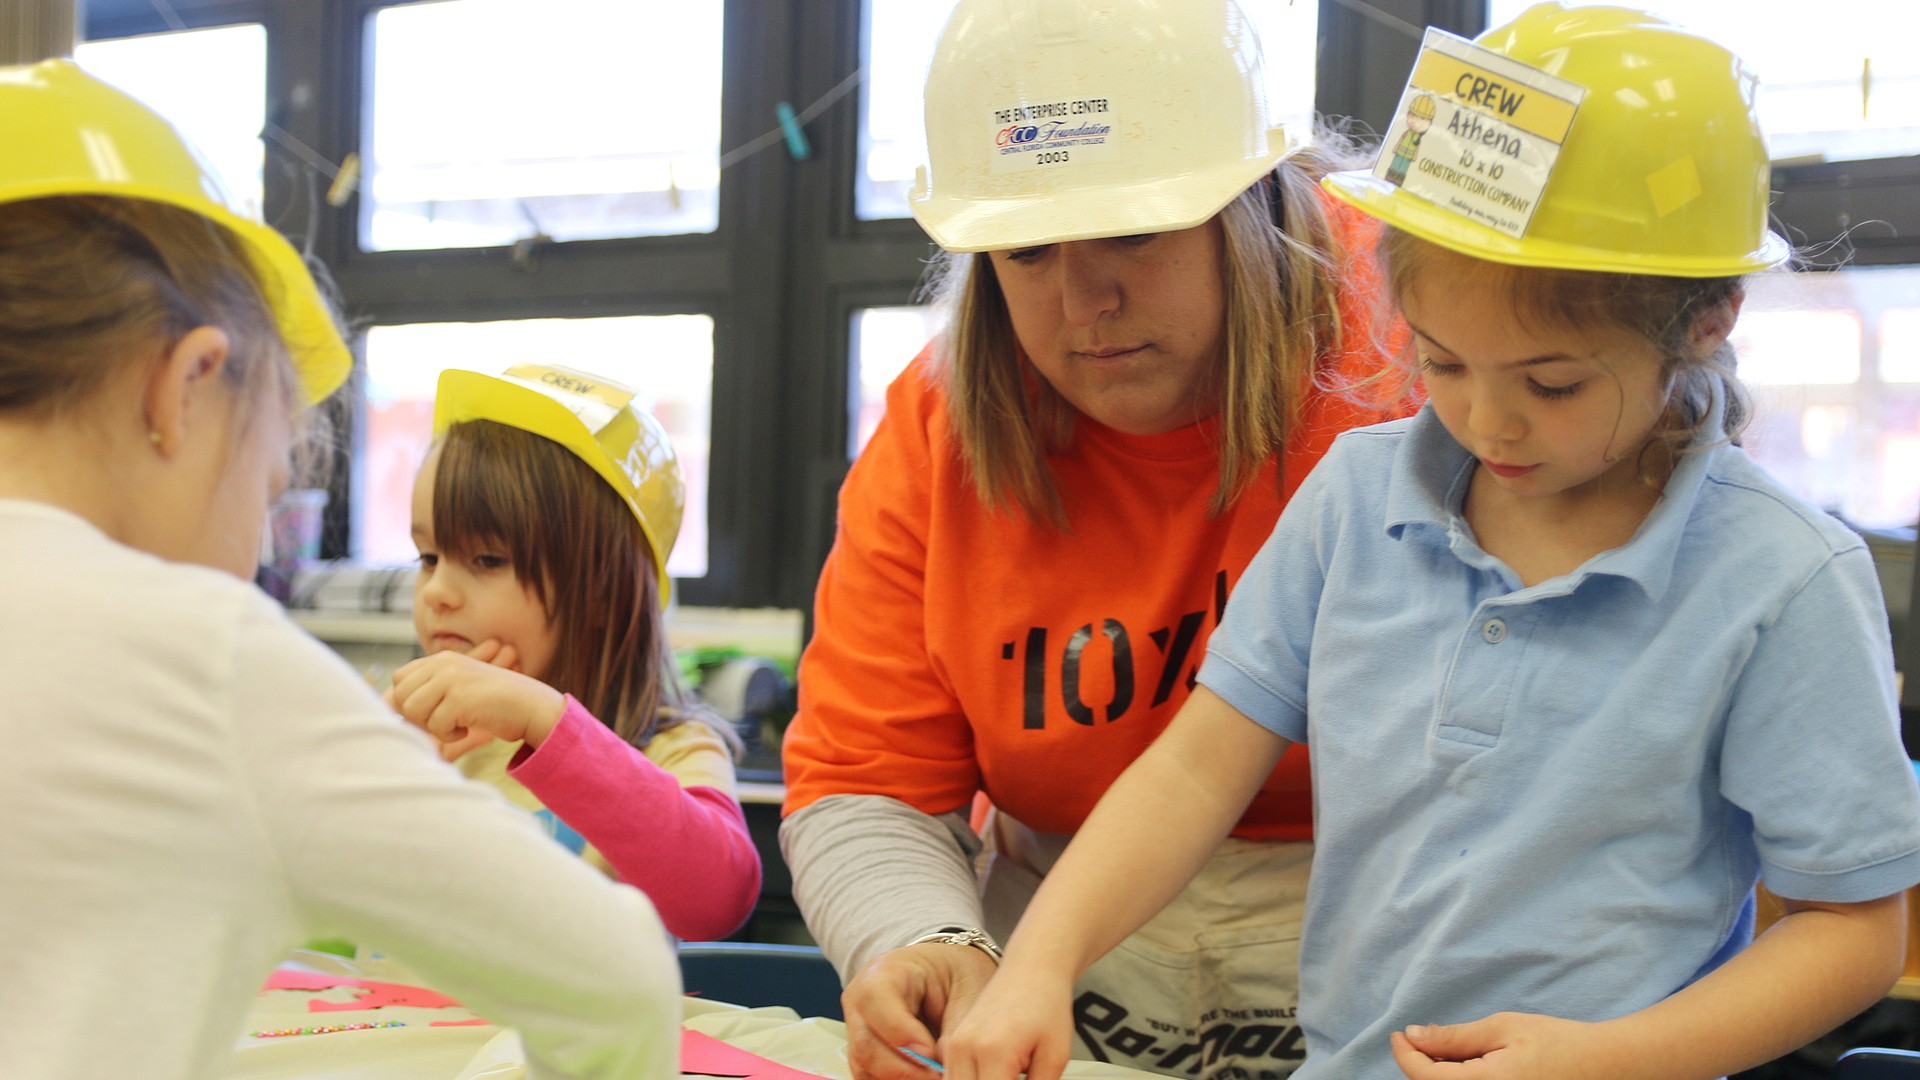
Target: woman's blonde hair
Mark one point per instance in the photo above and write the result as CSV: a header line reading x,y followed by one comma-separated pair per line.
x,y
1660,310
90,284
1280,258
570,539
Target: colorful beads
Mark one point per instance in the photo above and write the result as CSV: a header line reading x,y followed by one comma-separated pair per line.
x,y
326,1029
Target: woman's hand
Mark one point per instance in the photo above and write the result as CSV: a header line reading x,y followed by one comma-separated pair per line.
x,y
903,999
1023,1023
467,700
1504,1046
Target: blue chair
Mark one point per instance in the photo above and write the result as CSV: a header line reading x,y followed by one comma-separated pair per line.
x,y
752,974
1868,1063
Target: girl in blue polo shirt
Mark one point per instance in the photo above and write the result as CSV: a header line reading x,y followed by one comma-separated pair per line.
x,y
1576,673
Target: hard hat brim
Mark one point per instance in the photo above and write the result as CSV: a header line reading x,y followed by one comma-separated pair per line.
x,y
1410,213
71,134
320,357
1020,220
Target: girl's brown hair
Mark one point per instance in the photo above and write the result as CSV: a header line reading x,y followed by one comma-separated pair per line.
x,y
92,284
571,540
1281,258
1662,311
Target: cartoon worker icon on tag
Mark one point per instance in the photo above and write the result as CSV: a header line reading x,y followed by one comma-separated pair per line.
x,y
1419,119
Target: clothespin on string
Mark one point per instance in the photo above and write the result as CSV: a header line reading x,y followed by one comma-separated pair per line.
x,y
797,146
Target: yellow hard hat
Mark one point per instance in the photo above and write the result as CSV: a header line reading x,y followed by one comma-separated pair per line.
x,y
64,132
1663,171
597,420
1057,120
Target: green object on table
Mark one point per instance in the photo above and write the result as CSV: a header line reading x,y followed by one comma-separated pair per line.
x,y
332,945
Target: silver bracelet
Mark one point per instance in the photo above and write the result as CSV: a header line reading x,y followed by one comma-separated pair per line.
x,y
961,935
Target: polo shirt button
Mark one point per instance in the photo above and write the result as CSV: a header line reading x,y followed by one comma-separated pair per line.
x,y
1494,631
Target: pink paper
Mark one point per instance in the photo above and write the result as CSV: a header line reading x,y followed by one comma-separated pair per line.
x,y
707,1056
369,993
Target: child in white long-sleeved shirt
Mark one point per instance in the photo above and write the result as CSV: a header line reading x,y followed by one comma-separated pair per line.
x,y
194,785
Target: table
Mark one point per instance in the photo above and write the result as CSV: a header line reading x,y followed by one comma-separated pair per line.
x,y
436,1039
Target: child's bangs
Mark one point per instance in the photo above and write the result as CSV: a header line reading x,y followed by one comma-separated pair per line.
x,y
482,503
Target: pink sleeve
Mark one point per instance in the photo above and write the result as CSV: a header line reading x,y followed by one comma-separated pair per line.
x,y
687,848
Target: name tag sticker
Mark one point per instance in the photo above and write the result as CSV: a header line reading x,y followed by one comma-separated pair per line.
x,y
1477,133
1052,134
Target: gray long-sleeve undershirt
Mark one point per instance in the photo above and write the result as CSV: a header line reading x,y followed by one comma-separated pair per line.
x,y
871,873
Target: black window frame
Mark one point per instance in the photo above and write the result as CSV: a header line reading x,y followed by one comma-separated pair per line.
x,y
790,263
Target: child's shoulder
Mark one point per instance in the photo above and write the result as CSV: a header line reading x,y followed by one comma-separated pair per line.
x,y
694,753
1386,433
1369,454
1739,494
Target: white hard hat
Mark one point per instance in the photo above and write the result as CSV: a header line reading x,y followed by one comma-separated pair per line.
x,y
1057,120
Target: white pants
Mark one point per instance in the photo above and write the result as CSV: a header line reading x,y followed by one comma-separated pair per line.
x,y
1207,988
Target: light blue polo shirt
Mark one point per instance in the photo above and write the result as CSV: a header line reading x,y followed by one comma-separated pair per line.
x,y
1556,799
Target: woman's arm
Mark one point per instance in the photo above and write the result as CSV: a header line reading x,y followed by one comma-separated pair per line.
x,y
881,741
871,873
1145,840
687,848
1820,965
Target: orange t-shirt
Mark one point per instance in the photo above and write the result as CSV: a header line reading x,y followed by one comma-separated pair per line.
x,y
958,650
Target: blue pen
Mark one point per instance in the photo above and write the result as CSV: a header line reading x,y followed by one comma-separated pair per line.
x,y
923,1059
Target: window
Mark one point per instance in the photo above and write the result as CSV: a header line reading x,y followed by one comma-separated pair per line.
x,y
221,109
667,359
485,126
899,41
1834,364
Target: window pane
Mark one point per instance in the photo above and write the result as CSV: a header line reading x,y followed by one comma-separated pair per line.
x,y
1800,348
885,341
1900,345
668,359
1834,364
898,43
492,121
1840,80
221,108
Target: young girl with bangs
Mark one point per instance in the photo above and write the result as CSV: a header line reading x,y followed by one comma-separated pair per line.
x,y
543,516
1575,672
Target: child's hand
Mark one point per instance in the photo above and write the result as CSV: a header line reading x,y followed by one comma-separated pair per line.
x,y
1020,1024
1504,1046
466,701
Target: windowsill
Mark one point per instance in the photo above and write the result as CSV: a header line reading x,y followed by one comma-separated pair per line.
x,y
338,628
770,632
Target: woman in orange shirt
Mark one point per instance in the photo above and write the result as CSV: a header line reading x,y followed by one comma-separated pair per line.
x,y
1156,322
